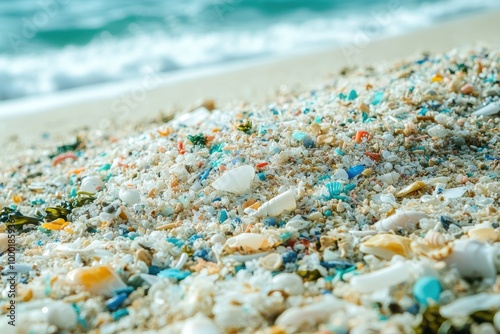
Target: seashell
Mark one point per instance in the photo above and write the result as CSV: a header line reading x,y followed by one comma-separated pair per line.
x,y
340,174
467,305
144,256
404,219
333,189
411,188
218,239
410,128
271,261
130,196
4,242
248,241
483,232
436,253
236,181
291,283
437,180
435,239
474,259
55,313
381,279
453,193
490,109
95,248
386,246
99,280
310,314
297,223
199,324
91,184
283,202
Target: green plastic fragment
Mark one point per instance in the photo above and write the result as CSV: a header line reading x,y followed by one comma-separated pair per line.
x,y
377,98
352,95
104,167
246,127
197,140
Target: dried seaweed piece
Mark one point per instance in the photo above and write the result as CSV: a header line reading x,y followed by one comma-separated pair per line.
x,y
14,218
57,212
198,140
245,127
67,147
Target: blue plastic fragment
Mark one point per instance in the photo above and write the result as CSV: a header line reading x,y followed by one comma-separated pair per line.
x,y
355,171
352,95
119,314
194,237
205,174
114,303
270,221
174,273
298,135
427,288
334,189
262,176
223,216
308,143
176,242
337,264
127,290
348,187
328,213
153,270
104,167
377,98
289,257
342,96
202,254
423,111
490,158
338,151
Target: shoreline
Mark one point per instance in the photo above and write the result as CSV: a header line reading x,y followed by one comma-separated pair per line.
x,y
255,80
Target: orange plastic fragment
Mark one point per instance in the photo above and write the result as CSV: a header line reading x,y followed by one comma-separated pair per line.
x,y
374,156
76,171
61,157
180,148
164,132
360,135
262,164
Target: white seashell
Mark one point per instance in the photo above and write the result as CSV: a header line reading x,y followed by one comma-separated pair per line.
x,y
194,117
297,223
248,241
310,314
404,219
271,261
56,313
91,184
386,246
381,279
435,238
453,193
474,259
199,325
248,257
236,181
490,109
464,306
130,196
275,206
340,174
4,242
291,283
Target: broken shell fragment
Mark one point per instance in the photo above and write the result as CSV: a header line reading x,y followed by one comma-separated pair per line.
x,y
248,241
236,181
91,184
296,316
483,232
386,246
411,188
382,278
99,280
271,261
280,203
405,220
4,245
291,283
490,109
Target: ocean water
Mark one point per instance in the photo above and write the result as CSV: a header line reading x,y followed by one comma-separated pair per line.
x,y
53,45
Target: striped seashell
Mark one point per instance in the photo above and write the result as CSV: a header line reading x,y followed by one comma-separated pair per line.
x,y
435,239
422,247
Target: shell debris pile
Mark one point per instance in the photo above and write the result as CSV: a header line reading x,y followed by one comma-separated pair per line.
x,y
368,204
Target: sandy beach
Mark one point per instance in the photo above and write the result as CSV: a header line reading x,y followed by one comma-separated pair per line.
x,y
145,99
352,190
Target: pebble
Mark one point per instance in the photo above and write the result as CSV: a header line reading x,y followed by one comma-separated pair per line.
x,y
130,196
467,89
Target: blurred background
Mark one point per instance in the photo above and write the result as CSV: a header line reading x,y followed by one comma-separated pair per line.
x,y
54,45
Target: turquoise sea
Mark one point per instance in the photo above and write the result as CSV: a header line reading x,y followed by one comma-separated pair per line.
x,y
52,45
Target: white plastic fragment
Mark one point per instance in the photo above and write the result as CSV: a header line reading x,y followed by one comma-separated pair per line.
x,y
340,174
310,314
283,202
383,278
437,131
488,110
56,313
474,259
236,181
194,117
454,193
297,223
248,241
470,304
405,220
